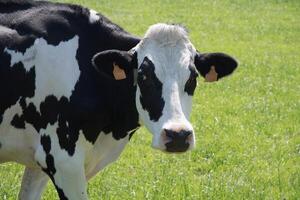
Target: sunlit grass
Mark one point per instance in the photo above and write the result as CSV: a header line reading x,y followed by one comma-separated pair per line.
x,y
248,125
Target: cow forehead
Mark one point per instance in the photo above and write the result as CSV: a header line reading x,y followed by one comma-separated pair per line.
x,y
168,47
166,34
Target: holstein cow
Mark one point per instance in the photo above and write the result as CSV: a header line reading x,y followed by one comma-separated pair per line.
x,y
74,87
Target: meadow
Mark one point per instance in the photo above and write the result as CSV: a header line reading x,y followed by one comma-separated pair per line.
x,y
247,125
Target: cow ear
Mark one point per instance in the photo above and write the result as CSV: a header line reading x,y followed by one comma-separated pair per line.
x,y
114,63
213,66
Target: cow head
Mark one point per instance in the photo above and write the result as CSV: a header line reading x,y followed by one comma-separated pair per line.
x,y
167,66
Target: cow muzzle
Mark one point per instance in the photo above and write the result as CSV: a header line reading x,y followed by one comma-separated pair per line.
x,y
176,141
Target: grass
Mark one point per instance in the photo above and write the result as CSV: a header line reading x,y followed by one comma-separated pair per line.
x,y
248,125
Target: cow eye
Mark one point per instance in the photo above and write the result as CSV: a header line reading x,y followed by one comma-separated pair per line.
x,y
191,83
142,76
143,79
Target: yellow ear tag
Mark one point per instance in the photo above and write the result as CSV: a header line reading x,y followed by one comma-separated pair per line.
x,y
118,73
212,75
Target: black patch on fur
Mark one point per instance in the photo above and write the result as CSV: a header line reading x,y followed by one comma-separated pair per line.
x,y
191,83
68,129
49,110
46,144
18,122
50,173
50,165
151,90
61,193
15,82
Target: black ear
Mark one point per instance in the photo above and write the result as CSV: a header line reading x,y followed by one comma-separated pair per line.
x,y
114,63
213,66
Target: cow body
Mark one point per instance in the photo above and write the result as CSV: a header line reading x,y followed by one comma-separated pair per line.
x,y
63,112
53,105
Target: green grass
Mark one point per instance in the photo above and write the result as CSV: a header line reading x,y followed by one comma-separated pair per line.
x,y
247,126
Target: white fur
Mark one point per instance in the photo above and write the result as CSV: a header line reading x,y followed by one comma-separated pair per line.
x,y
106,150
93,16
17,144
70,172
56,68
57,72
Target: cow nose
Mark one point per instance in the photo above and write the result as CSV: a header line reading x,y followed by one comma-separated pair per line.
x,y
177,141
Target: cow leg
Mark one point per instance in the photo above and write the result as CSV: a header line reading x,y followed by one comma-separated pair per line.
x,y
33,183
70,182
66,172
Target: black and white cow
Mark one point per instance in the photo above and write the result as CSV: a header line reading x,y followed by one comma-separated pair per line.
x,y
74,87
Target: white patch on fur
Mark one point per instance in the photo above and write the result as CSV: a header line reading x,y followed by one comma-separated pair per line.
x,y
94,17
27,58
94,157
57,73
106,150
56,68
171,52
17,144
70,174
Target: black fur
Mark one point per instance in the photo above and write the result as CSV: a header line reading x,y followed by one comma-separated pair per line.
x,y
151,90
50,170
15,82
191,83
46,144
61,193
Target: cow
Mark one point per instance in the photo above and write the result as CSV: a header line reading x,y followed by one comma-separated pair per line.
x,y
74,87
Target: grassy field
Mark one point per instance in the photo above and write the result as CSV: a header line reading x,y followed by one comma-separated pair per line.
x,y
248,125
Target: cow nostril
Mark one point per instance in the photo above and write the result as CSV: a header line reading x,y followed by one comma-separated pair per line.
x,y
185,134
169,133
178,135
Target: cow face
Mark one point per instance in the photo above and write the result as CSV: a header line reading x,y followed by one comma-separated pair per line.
x,y
167,66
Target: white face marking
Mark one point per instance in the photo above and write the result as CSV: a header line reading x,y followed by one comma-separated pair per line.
x,y
171,52
93,16
56,68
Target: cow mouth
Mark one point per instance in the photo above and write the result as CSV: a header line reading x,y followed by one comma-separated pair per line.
x,y
177,147
172,148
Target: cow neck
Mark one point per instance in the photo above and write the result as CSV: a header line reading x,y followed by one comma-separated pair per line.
x,y
124,116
